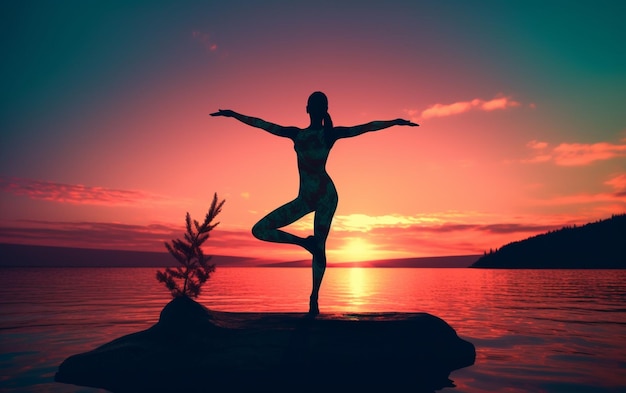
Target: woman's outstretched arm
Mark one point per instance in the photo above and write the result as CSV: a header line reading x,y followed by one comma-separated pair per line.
x,y
347,132
272,128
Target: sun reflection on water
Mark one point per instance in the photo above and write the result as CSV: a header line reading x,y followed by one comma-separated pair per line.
x,y
359,287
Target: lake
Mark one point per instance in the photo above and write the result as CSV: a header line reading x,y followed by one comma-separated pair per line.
x,y
534,330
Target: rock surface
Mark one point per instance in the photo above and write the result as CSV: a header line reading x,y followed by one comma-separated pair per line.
x,y
193,349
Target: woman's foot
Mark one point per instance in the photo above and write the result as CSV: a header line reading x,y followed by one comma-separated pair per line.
x,y
310,244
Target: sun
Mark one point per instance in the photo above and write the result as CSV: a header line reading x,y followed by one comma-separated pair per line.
x,y
356,249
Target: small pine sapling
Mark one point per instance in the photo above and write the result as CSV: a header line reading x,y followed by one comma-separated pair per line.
x,y
194,269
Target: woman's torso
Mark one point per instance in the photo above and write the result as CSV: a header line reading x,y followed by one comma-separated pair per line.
x,y
312,147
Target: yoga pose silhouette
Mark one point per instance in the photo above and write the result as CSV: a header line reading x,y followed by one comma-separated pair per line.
x,y
317,192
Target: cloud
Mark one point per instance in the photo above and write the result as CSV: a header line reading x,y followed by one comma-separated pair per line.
x,y
445,233
389,236
110,235
364,222
358,222
496,228
90,234
456,108
442,222
581,199
150,237
537,145
462,236
619,184
73,193
571,154
593,203
575,154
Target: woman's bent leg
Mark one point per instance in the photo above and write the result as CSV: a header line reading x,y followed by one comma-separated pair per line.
x,y
267,228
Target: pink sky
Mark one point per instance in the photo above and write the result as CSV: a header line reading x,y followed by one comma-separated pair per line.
x,y
110,141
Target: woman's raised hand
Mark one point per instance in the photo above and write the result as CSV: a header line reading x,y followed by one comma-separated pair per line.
x,y
224,112
403,122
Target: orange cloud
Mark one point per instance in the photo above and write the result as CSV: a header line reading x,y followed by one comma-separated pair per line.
x,y
618,183
382,241
365,223
534,144
443,222
575,154
599,202
579,199
73,193
359,222
456,108
379,243
571,154
447,233
452,238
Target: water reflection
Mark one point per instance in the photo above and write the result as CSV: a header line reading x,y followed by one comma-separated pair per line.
x,y
533,330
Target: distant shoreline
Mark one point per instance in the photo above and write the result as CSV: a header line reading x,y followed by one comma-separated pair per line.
x,y
595,245
20,255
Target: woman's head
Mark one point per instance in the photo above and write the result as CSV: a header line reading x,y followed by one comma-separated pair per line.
x,y
317,107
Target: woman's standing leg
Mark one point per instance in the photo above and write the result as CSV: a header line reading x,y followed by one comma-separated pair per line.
x,y
323,218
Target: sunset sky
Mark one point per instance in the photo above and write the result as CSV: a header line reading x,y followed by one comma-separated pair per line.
x,y
106,139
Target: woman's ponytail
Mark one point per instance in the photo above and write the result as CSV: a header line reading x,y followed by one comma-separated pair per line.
x,y
328,122
317,106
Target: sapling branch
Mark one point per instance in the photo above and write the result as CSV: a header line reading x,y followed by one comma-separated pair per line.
x,y
195,270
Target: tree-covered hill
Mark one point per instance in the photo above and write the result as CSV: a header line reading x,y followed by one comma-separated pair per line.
x,y
597,245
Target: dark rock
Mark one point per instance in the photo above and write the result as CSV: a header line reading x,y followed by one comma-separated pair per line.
x,y
193,349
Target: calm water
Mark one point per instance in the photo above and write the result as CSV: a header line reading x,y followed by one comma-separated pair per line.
x,y
534,330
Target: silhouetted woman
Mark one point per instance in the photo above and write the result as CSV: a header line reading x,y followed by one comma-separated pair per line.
x,y
317,192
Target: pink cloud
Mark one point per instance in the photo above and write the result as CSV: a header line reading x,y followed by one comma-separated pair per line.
x,y
599,202
110,235
537,144
618,183
150,237
498,103
385,237
445,233
495,228
90,234
424,239
456,108
456,238
538,159
73,193
572,154
575,154
581,199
